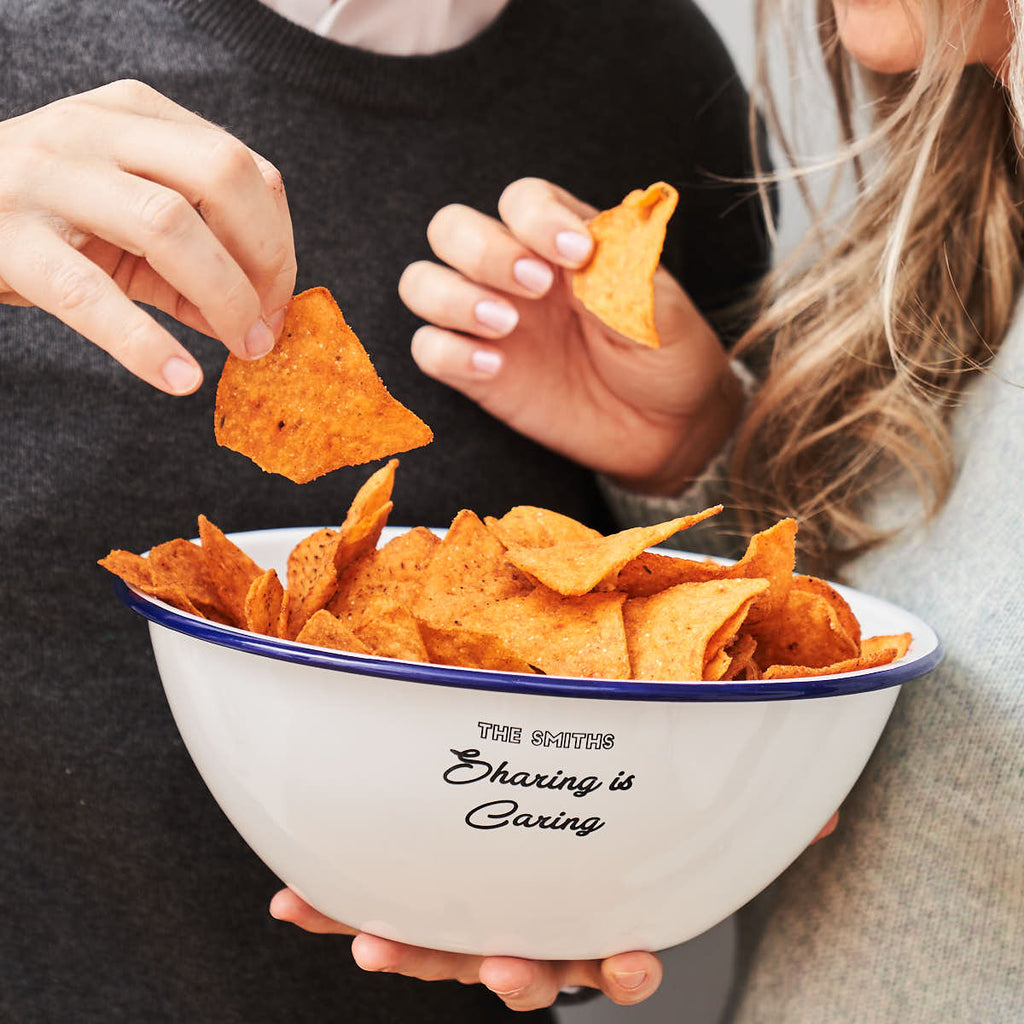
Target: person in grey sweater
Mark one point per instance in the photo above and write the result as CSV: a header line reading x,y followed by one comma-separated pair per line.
x,y
886,415
201,157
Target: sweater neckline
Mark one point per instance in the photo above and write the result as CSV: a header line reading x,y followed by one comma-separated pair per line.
x,y
468,75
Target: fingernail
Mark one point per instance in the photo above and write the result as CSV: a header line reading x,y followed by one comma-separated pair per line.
x,y
631,981
486,361
259,341
182,376
533,275
573,246
498,316
276,323
509,992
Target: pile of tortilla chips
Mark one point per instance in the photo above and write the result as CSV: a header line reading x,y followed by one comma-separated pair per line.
x,y
531,592
617,284
315,403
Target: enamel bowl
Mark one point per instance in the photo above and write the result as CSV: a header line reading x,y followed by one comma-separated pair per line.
x,y
493,813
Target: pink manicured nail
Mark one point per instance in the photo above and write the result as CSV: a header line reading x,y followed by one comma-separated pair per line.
x,y
182,376
573,246
259,341
486,362
533,275
496,315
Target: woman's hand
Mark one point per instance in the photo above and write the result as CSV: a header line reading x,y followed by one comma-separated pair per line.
x,y
118,196
626,979
505,330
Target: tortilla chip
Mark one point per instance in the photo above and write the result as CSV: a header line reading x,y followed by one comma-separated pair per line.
x,y
531,527
617,285
307,559
652,572
323,563
186,564
229,569
469,570
532,592
806,632
263,604
449,644
843,612
363,522
315,402
717,666
324,630
668,634
393,574
727,633
875,657
577,567
564,636
771,555
357,538
351,541
390,631
899,644
136,572
742,665
284,618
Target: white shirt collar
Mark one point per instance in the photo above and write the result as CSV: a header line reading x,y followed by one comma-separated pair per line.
x,y
398,27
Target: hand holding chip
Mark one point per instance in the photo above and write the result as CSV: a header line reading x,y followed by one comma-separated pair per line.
x,y
627,978
505,329
119,196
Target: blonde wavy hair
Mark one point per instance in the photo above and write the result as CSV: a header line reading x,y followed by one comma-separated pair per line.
x,y
870,330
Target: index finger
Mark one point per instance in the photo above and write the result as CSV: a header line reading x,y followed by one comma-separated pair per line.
x,y
239,192
239,195
548,219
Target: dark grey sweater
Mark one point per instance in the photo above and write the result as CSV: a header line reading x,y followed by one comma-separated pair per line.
x,y
127,896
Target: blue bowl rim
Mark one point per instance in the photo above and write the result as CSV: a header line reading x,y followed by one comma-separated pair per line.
x,y
862,681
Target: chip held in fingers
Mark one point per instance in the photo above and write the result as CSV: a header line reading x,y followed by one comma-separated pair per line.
x,y
617,284
315,403
533,592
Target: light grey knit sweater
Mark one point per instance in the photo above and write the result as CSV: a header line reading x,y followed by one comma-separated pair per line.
x,y
913,911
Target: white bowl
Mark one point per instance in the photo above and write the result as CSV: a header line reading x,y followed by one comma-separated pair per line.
x,y
394,796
